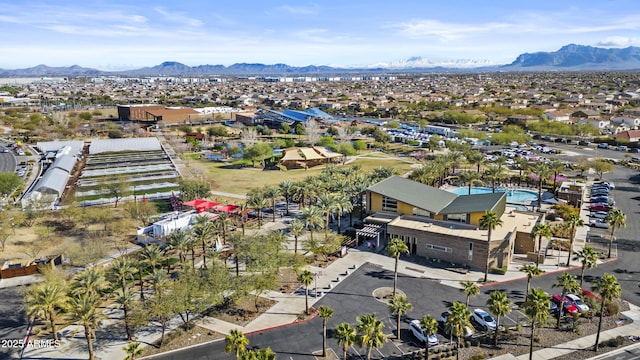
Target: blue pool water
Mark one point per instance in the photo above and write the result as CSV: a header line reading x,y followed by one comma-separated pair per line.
x,y
514,196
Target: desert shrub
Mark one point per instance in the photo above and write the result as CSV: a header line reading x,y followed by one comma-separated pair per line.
x,y
611,308
518,327
498,270
536,340
614,342
467,344
477,357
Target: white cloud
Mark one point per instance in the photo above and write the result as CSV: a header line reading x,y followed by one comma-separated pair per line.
x,y
178,17
618,41
299,10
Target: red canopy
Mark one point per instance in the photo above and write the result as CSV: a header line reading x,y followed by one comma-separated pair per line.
x,y
201,204
226,208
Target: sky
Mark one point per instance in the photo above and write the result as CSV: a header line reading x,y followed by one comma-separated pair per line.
x,y
120,35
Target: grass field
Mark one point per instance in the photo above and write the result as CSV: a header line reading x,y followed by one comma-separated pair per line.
x,y
225,178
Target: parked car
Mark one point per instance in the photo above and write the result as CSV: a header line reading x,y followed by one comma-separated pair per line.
x,y
567,306
583,143
599,214
621,148
600,193
418,332
600,207
603,199
577,302
483,319
634,150
553,308
599,223
443,323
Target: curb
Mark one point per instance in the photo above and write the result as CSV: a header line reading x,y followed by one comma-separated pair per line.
x,y
179,349
311,317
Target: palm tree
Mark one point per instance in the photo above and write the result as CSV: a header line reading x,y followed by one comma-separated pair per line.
x,y
325,313
398,306
202,232
536,307
471,178
152,255
133,350
287,190
179,241
328,204
609,289
395,248
90,282
346,336
531,271
370,333
429,326
542,171
573,221
158,281
556,166
616,219
588,258
458,319
84,309
499,305
236,342
312,217
489,221
223,221
494,173
243,210
296,229
568,284
272,193
46,301
124,298
541,230
306,278
259,202
469,288
476,158
122,269
343,203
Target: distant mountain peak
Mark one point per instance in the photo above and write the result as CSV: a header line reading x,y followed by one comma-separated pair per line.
x,y
579,57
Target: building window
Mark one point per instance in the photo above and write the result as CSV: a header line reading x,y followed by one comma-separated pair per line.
x,y
470,255
439,248
457,217
389,204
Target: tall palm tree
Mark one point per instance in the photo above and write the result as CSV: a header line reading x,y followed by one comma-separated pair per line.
x,y
494,173
133,350
573,221
259,202
370,333
542,171
398,306
568,284
158,282
90,282
609,289
243,211
328,204
312,217
179,241
203,232
469,288
489,221
616,219
429,326
588,258
536,307
471,178
556,166
122,270
325,313
458,319
152,255
343,203
287,190
531,271
236,342
84,309
272,193
46,301
124,298
499,305
395,248
306,278
296,229
541,230
476,158
346,336
223,221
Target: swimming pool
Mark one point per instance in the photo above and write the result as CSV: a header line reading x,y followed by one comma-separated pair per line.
x,y
513,196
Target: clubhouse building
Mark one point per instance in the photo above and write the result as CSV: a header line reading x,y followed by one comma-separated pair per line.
x,y
443,226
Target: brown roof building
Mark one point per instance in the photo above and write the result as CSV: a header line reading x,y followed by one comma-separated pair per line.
x,y
157,113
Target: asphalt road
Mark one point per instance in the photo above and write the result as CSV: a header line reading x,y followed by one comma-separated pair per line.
x,y
631,353
13,320
7,161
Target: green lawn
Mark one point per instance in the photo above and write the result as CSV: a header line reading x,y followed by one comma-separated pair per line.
x,y
239,181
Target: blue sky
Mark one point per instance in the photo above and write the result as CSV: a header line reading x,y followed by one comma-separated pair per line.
x,y
118,34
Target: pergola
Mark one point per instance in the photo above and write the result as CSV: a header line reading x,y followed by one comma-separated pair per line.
x,y
370,231
201,205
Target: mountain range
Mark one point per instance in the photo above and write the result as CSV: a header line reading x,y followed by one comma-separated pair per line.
x,y
568,58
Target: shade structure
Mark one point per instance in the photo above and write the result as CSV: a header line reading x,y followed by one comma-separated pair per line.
x,y
201,204
226,208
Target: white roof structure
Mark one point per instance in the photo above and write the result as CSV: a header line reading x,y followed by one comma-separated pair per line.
x,y
74,145
64,162
124,145
52,182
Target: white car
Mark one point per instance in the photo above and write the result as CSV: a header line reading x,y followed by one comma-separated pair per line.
x,y
443,322
577,302
483,319
418,332
598,214
599,224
